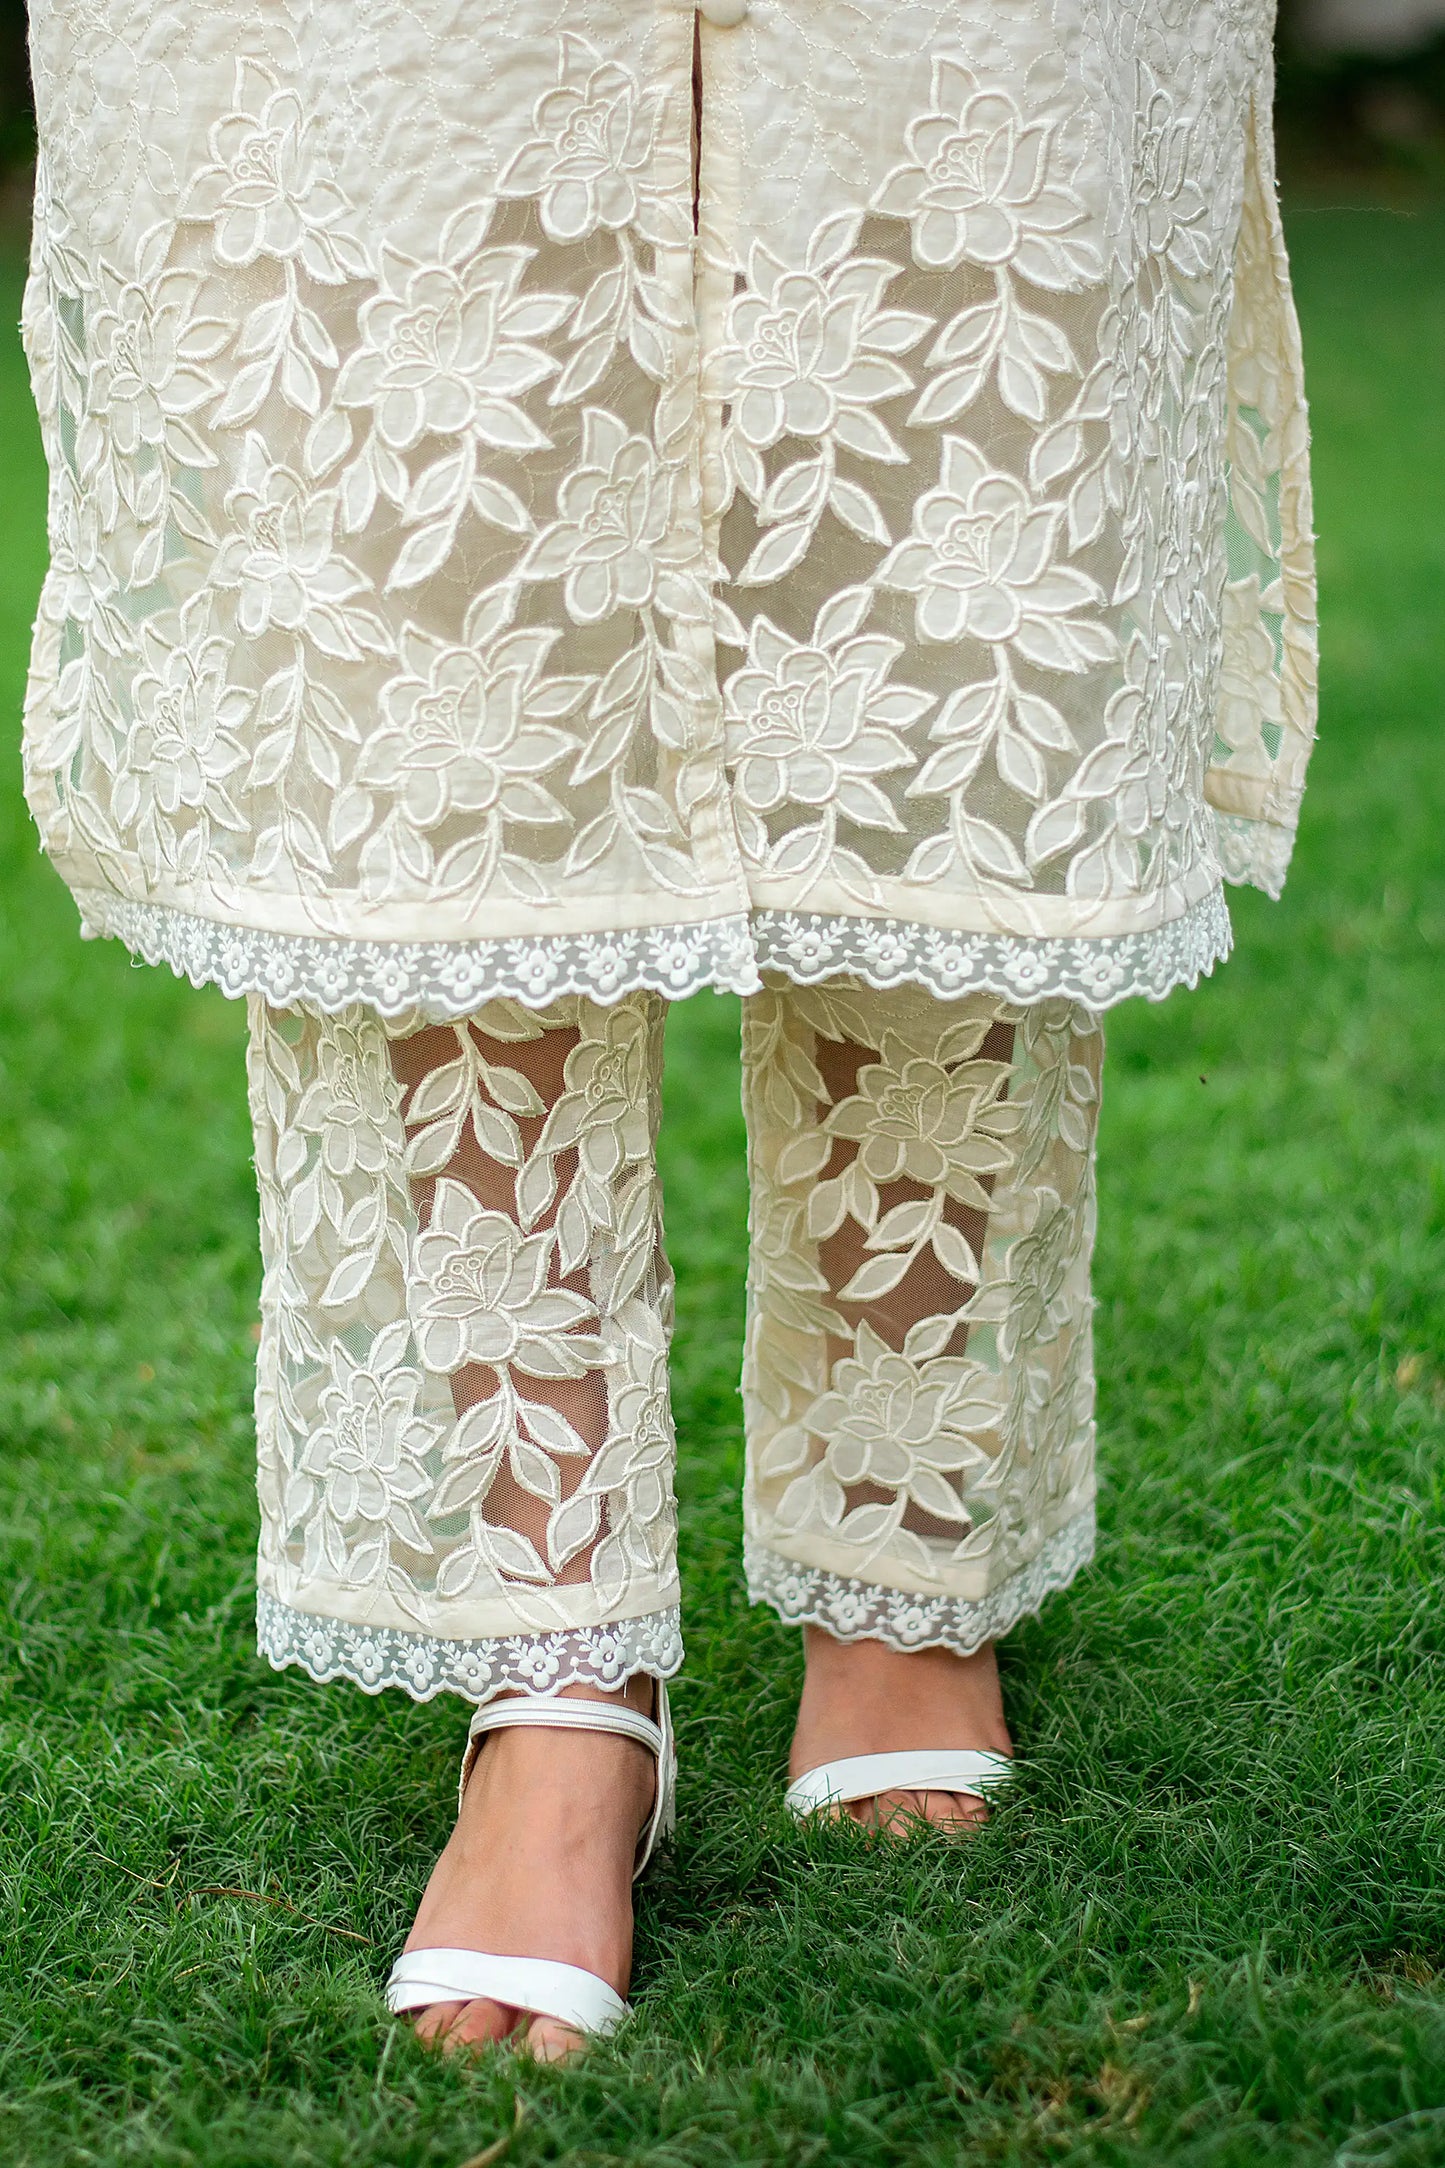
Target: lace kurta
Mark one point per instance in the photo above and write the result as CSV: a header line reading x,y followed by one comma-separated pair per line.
x,y
564,495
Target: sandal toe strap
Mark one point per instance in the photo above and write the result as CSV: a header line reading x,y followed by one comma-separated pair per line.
x,y
864,1776
537,1984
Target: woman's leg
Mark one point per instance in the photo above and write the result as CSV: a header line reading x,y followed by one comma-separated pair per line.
x,y
466,1440
918,1380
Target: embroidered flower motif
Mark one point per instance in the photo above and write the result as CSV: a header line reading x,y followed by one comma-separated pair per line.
x,y
980,187
587,163
473,1669
1040,1265
633,1471
419,1668
613,532
1249,724
915,1119
609,959
468,732
183,742
604,1110
537,1664
849,1610
980,561
391,979
1171,200
369,1657
478,1293
903,1426
318,1649
809,945
1026,971
351,1103
368,1449
281,558
446,351
266,190
810,725
144,377
807,354
888,954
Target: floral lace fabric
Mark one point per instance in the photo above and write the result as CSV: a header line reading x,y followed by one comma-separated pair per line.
x,y
465,1434
529,507
918,1378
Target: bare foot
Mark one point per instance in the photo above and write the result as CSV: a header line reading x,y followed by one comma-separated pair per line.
x,y
861,1697
540,1865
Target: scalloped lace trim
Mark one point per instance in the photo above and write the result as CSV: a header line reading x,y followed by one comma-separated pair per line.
x,y
450,979
1253,854
858,1611
446,979
374,1657
1094,972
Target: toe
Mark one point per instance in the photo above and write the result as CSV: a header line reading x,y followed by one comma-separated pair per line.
x,y
436,2020
952,1810
472,2024
898,1814
550,2041
894,1813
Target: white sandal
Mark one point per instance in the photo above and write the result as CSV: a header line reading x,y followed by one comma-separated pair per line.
x,y
538,1984
968,1775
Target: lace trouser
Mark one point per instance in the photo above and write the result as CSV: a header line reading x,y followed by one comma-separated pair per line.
x,y
465,1434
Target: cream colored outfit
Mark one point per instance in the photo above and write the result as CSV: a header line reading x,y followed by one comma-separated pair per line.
x,y
466,1441
561,502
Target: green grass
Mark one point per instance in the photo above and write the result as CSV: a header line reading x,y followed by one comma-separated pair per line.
x,y
1210,1927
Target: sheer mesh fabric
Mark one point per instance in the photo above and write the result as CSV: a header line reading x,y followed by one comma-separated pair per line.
x,y
919,1377
926,1288
457,1081
466,1437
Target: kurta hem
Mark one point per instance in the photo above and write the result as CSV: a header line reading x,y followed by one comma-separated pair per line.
x,y
451,979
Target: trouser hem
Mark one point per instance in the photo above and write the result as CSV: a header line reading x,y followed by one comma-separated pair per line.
x,y
862,1611
424,1665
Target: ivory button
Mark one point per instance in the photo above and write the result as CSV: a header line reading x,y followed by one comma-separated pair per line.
x,y
723,14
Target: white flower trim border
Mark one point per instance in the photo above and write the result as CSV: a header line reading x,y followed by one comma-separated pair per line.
x,y
424,1665
446,980
854,1611
1024,968
1254,854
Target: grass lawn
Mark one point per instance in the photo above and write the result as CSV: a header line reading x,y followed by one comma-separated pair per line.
x,y
1209,1927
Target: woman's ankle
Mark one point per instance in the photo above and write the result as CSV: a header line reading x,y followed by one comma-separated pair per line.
x,y
864,1697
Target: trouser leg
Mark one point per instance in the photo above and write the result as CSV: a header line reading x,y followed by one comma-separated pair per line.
x,y
918,1380
465,1435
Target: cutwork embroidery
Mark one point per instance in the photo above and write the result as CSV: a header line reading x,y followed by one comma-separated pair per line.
x,y
463,1417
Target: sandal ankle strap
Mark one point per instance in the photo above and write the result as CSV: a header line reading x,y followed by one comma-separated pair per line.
x,y
553,1712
